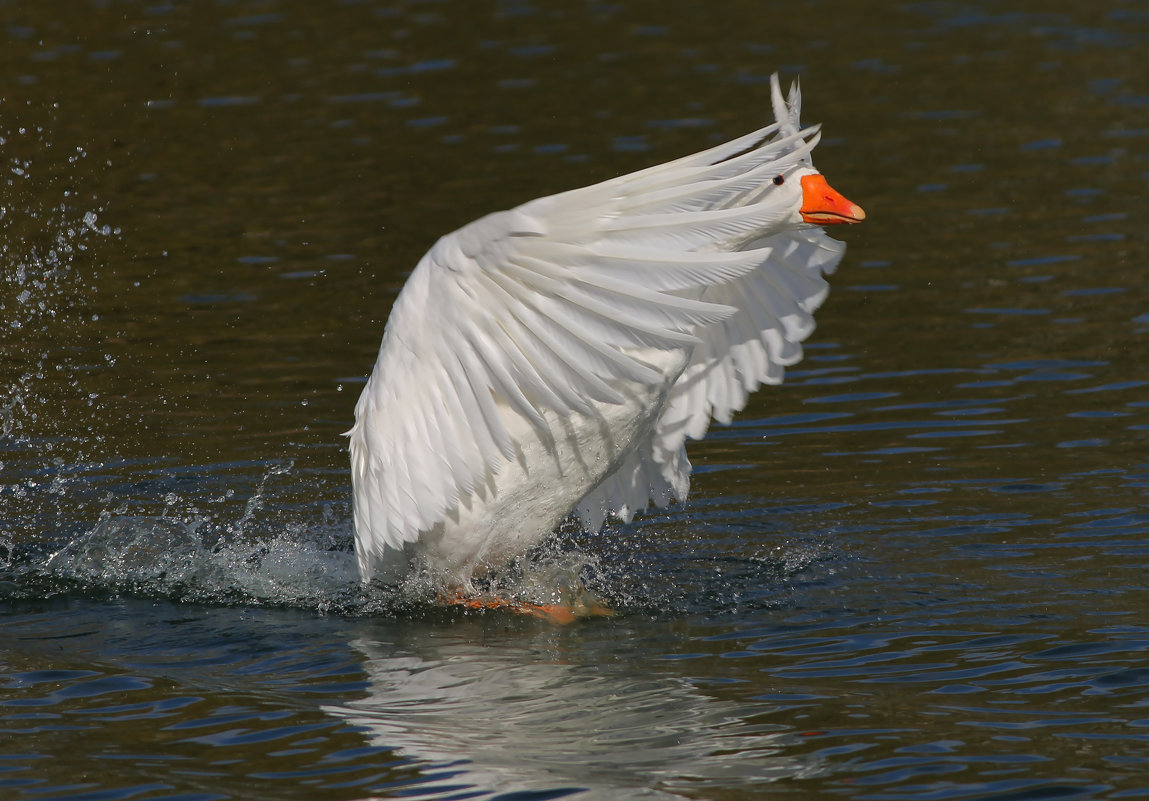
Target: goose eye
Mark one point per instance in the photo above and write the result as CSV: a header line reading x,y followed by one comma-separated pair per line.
x,y
779,180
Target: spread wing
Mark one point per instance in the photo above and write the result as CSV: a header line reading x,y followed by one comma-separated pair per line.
x,y
774,312
775,306
535,309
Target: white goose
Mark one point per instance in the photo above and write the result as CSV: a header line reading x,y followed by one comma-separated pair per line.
x,y
554,358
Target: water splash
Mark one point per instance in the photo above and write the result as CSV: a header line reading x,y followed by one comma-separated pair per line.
x,y
203,559
195,544
262,550
172,560
47,233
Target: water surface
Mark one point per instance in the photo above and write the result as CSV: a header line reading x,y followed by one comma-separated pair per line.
x,y
915,570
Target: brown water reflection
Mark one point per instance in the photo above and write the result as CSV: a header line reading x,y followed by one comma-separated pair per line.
x,y
928,545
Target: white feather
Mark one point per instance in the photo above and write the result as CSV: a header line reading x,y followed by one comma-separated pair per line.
x,y
555,357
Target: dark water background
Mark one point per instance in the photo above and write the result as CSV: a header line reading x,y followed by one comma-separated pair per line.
x,y
915,571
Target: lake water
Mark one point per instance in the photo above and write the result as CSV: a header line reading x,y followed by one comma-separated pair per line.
x,y
916,570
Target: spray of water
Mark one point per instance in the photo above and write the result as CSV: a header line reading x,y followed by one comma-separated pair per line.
x,y
46,238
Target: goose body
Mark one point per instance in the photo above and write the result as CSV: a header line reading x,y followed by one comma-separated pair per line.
x,y
554,358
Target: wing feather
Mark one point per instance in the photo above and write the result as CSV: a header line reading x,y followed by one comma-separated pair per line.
x,y
735,356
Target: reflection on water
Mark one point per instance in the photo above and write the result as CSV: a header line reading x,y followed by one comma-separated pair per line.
x,y
499,718
916,570
938,695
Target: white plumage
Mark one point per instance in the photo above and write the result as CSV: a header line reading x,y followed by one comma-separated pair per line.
x,y
556,357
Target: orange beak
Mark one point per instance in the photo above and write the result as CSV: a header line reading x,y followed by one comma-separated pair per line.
x,y
822,205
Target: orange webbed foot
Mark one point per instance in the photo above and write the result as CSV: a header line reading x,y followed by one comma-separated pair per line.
x,y
560,614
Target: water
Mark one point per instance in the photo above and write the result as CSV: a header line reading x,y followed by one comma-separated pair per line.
x,y
914,571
